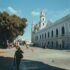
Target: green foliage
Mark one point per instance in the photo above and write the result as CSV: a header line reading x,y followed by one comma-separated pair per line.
x,y
10,27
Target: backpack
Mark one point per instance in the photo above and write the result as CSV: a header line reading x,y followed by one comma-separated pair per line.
x,y
19,54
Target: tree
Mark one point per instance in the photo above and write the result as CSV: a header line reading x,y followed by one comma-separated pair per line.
x,y
10,27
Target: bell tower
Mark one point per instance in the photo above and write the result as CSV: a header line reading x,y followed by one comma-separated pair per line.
x,y
42,16
42,22
32,31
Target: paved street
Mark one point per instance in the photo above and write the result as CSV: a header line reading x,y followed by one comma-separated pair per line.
x,y
38,59
46,58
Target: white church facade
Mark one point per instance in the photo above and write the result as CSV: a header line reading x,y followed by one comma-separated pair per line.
x,y
53,34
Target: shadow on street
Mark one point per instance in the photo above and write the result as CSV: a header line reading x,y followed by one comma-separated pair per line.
x,y
6,64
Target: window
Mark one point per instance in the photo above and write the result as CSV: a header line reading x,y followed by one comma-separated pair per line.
x,y
56,44
56,32
52,44
48,34
52,33
40,36
62,43
43,24
45,35
43,19
63,31
48,42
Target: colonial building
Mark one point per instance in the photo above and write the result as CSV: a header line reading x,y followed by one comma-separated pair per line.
x,y
51,34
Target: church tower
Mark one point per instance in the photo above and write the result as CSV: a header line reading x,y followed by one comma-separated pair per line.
x,y
42,22
33,25
32,31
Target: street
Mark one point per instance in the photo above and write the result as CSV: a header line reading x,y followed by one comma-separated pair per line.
x,y
39,59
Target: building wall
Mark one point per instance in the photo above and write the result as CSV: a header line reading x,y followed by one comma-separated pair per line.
x,y
59,41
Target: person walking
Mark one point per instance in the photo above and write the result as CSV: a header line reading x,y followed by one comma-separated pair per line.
x,y
17,57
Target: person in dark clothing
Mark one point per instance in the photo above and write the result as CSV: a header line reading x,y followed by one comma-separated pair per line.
x,y
17,57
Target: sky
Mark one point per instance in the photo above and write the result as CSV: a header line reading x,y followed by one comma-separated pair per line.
x,y
30,9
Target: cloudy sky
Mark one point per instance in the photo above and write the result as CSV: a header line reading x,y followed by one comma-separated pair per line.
x,y
54,9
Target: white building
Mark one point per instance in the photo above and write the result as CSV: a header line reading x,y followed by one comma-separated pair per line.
x,y
52,35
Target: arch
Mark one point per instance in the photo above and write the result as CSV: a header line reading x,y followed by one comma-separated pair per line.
x,y
52,33
56,32
48,34
63,30
62,44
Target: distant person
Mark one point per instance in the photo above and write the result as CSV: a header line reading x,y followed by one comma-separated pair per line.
x,y
17,44
26,45
17,57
